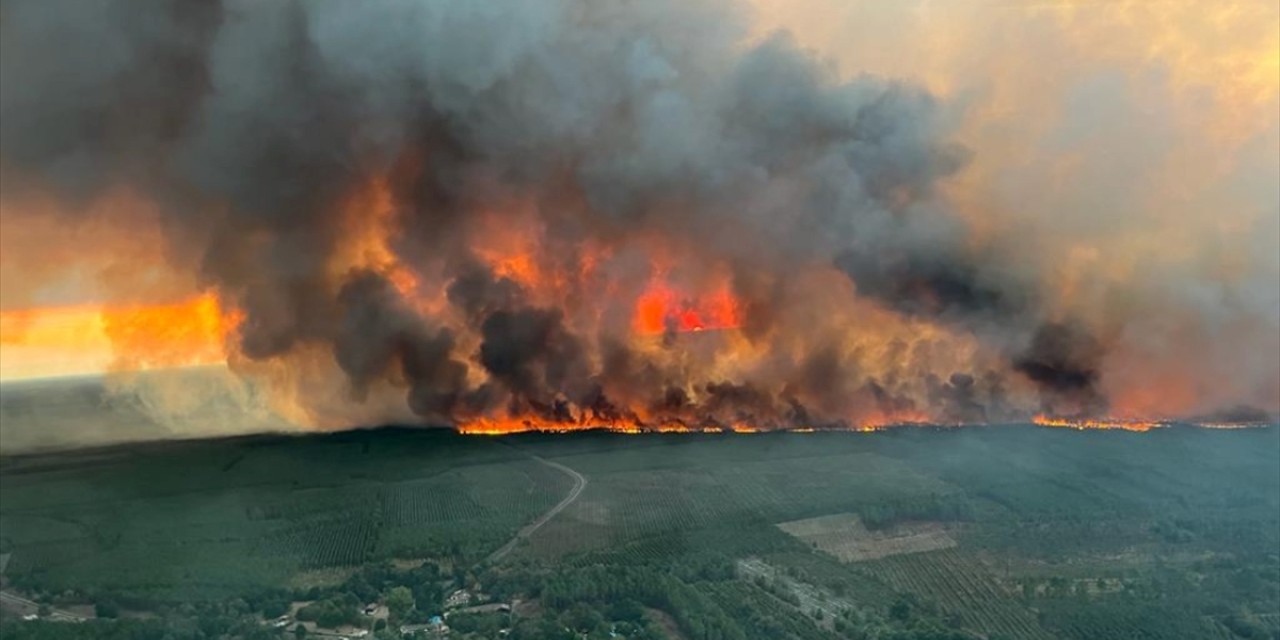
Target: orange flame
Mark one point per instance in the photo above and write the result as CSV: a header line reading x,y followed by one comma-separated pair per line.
x,y
530,424
1096,423
661,308
89,339
492,426
370,221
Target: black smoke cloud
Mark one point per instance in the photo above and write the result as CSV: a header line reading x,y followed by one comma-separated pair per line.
x,y
1064,360
378,332
247,122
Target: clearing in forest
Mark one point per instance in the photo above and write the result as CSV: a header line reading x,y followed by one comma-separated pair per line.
x,y
844,536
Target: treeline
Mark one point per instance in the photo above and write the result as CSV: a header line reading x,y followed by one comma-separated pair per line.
x,y
1219,596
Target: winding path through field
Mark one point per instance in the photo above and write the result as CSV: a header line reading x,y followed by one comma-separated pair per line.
x,y
579,483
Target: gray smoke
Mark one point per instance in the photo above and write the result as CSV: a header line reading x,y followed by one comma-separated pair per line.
x,y
250,121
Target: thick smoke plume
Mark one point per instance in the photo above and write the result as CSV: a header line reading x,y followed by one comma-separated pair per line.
x,y
562,212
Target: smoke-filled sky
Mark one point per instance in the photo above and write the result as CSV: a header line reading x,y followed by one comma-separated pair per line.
x,y
701,214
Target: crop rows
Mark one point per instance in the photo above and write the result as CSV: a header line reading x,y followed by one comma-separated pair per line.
x,y
647,502
754,607
960,588
1100,620
50,555
655,549
637,505
565,535
648,510
518,490
304,504
329,543
470,510
430,503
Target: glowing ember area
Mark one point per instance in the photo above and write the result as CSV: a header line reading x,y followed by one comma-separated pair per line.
x,y
637,425
494,427
661,309
497,427
1097,423
86,339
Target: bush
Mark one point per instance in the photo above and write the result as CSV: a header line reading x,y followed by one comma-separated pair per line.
x,y
106,609
274,608
330,613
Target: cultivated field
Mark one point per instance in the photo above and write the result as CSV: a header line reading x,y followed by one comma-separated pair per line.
x,y
1013,532
183,520
844,536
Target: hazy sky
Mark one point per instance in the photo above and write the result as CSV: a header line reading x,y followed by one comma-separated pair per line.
x,y
1120,160
1133,146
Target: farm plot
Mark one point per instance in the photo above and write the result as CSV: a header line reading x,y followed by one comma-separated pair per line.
x,y
636,505
844,536
647,510
468,511
141,546
192,520
336,543
645,513
804,486
960,587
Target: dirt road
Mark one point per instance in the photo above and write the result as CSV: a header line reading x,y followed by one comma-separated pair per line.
x,y
579,483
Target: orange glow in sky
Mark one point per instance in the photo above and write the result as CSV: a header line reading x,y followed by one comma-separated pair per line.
x,y
91,339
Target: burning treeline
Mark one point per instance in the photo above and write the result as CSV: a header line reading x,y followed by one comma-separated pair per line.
x,y
553,214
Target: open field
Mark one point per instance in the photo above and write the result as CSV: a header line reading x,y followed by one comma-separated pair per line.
x,y
844,536
1000,532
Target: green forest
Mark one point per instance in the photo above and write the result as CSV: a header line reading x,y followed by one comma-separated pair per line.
x,y
1005,532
